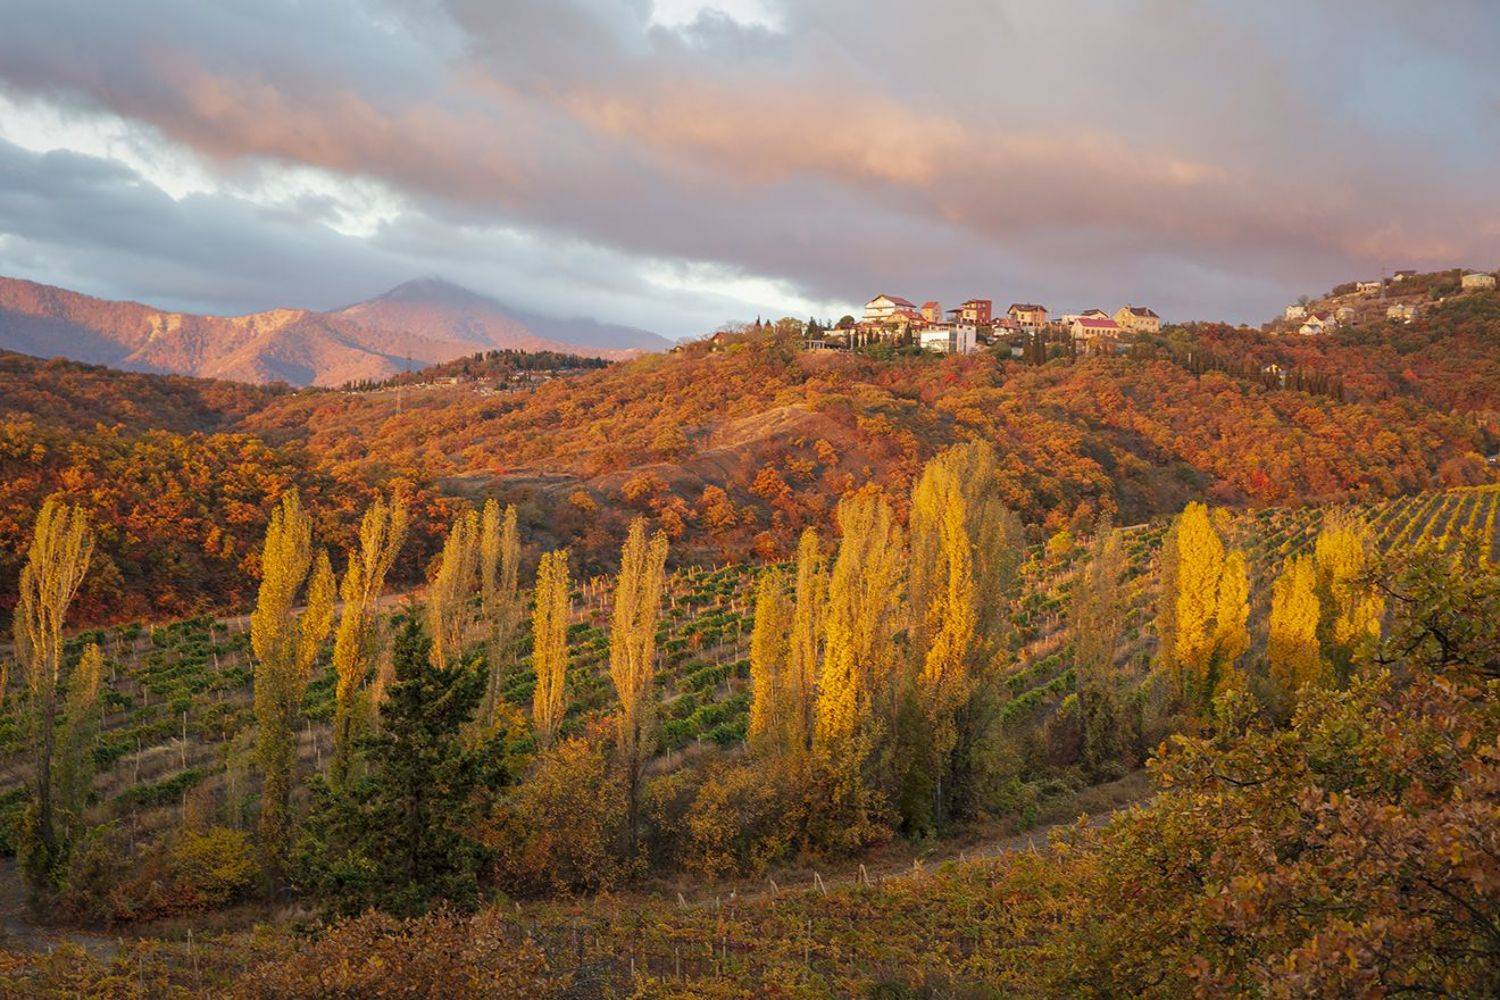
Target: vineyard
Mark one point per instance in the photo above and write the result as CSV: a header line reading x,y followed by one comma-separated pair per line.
x,y
178,695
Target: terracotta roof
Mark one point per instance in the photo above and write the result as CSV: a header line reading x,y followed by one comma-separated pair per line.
x,y
1095,323
977,302
930,303
1142,311
1026,307
898,300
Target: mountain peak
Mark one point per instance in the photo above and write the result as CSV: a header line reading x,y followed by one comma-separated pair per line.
x,y
435,290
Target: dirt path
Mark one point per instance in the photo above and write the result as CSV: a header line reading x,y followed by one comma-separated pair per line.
x,y
900,859
19,930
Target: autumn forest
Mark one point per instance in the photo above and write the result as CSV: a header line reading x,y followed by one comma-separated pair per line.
x,y
744,669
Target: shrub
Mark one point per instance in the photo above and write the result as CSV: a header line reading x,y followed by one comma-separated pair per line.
x,y
213,867
744,817
556,831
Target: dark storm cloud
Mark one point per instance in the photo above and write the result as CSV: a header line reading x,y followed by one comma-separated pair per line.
x,y
1210,158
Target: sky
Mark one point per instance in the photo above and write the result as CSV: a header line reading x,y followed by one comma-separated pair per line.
x,y
679,164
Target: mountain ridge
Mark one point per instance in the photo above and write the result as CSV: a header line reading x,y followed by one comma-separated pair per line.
x,y
427,321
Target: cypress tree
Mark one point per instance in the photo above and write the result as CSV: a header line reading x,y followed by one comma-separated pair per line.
x,y
399,837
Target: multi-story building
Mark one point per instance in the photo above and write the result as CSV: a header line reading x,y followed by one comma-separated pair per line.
x,y
887,308
975,311
1028,314
949,338
1138,319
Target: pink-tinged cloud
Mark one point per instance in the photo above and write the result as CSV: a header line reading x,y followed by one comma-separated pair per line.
x,y
1212,159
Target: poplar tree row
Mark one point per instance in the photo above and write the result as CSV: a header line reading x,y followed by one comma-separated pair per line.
x,y
876,663
1324,614
881,671
474,589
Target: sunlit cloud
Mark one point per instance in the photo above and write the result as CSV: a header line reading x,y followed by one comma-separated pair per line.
x,y
685,163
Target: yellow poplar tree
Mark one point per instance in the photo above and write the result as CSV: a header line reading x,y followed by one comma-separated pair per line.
x,y
549,631
1349,627
1231,623
75,744
1096,614
771,697
632,652
500,593
57,560
997,545
358,645
804,646
1295,659
864,599
943,618
451,587
1204,608
999,542
286,646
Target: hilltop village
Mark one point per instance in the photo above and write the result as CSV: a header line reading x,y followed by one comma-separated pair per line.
x,y
1401,297
1026,328
891,319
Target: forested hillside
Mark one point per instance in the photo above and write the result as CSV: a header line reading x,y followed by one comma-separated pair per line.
x,y
1127,434
865,603
733,448
1446,357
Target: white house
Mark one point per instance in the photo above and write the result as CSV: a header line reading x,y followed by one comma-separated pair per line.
x,y
1295,311
949,338
1367,287
884,308
1478,280
1404,311
1317,322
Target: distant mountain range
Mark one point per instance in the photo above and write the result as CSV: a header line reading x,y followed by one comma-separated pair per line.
x,y
427,321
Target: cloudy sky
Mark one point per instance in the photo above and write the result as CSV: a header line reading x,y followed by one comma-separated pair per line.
x,y
678,164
